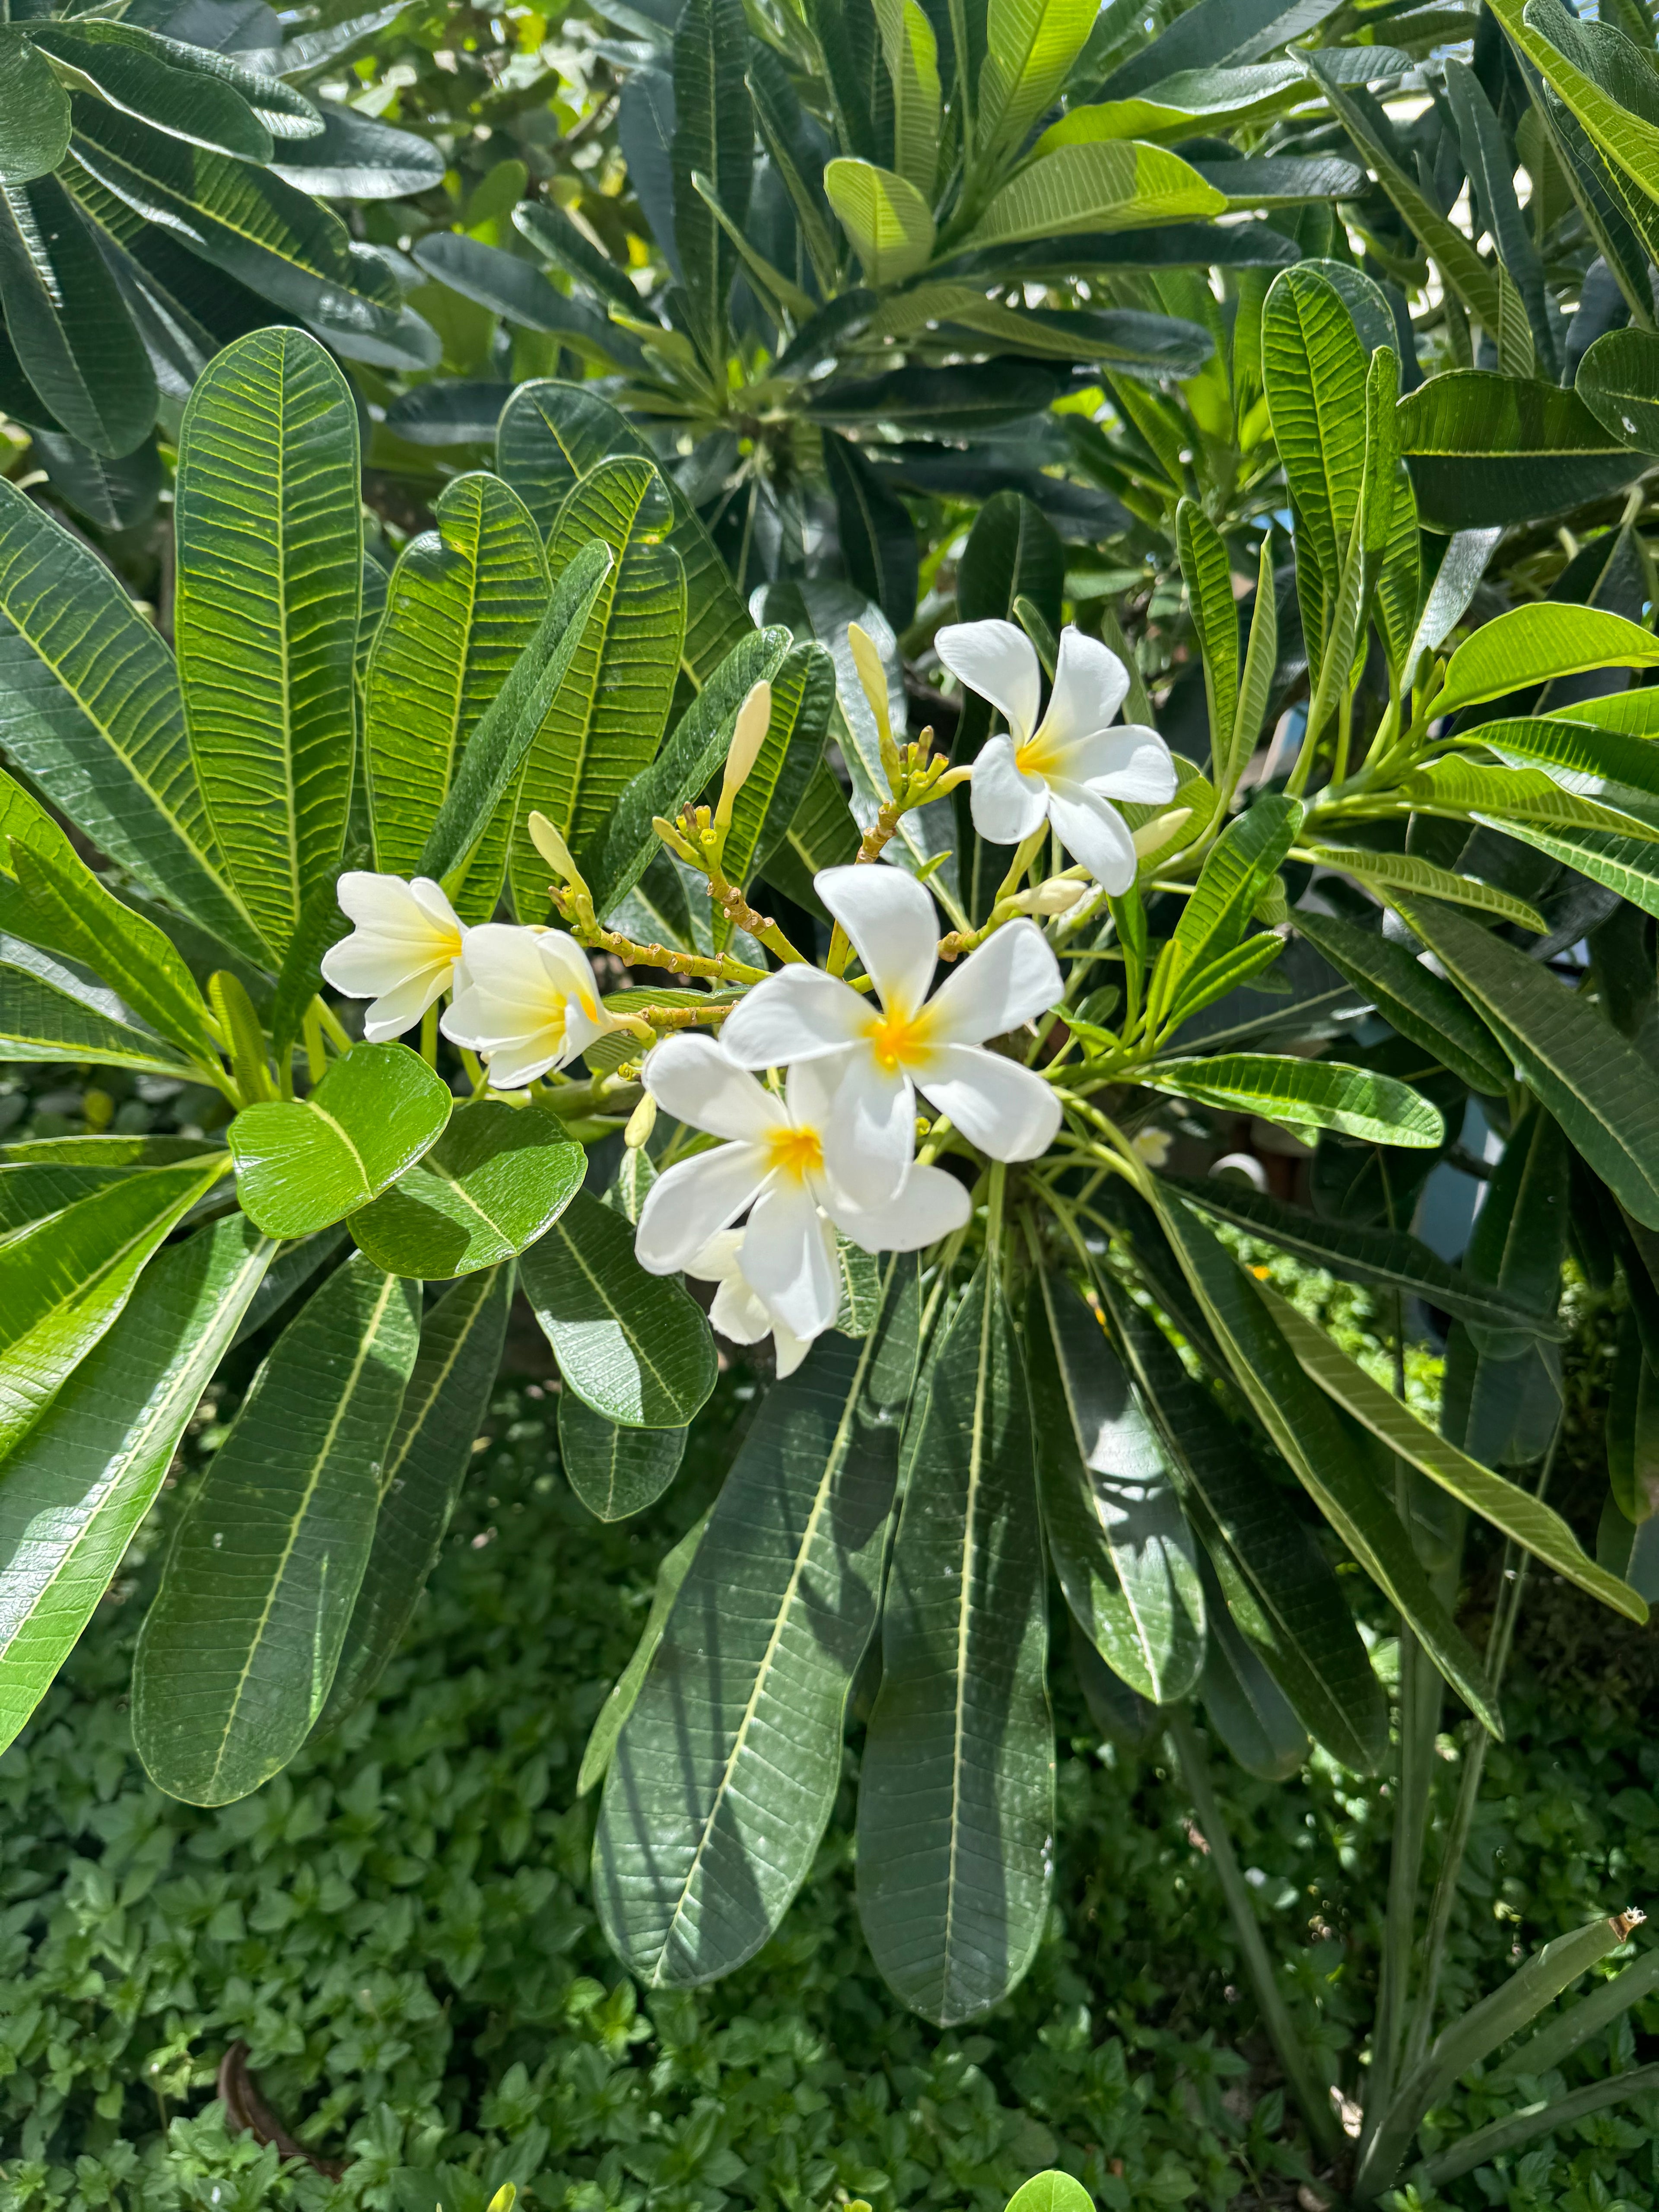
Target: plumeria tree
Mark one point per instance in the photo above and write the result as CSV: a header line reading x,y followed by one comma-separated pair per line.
x,y
533,938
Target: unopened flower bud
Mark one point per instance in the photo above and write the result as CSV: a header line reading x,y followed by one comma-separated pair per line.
x,y
747,736
552,847
1057,895
640,1123
1152,836
873,678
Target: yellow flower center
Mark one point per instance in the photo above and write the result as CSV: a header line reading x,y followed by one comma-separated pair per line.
x,y
1038,756
898,1039
796,1153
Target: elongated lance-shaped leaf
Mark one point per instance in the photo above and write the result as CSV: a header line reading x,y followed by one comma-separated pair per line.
x,y
1409,871
1597,1086
911,49
633,1347
1629,865
956,1793
1281,1591
727,1768
64,315
1465,790
1529,645
66,1280
1208,574
1308,1094
1419,1004
1030,45
495,752
445,1402
31,1190
34,110
625,1691
1244,860
43,1016
1532,1524
1313,368
1260,663
1390,1257
76,1488
802,696
551,434
1468,2039
1246,1708
607,718
1491,166
1111,1514
616,1472
90,710
714,136
270,593
238,1651
1321,1453
1569,2031
464,603
130,69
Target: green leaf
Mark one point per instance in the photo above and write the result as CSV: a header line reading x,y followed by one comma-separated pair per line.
x,y
1456,580
1389,1257
1468,790
1598,1087
956,1790
877,538
1616,770
616,1472
1117,185
355,157
1030,48
302,1166
45,1014
727,1766
1489,160
1601,76
606,719
509,286
1242,863
624,1694
1208,572
632,1347
1417,1003
34,110
803,695
1408,871
1486,449
1618,379
496,1180
90,711
464,603
1629,865
443,1407
1529,645
1247,1710
1115,1532
1282,1593
714,135
1305,1094
268,457
554,235
237,1652
694,754
1051,2192
1538,1527
912,51
889,222
66,317
822,833
507,727
1315,370
77,1486
129,68
1320,1453
69,1275
551,434
31,1190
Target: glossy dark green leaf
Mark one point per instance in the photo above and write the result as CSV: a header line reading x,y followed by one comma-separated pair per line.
x,y
1207,570
1116,1535
616,1472
633,1347
512,287
43,1016
77,1486
238,1651
1246,1707
494,1180
553,234
625,1691
727,1766
1305,1094
120,493
956,1791
464,603
802,696
1237,871
269,453
1618,379
34,110
355,157
65,319
878,538
1418,1004
130,69
715,137
303,1165
443,1407
1486,449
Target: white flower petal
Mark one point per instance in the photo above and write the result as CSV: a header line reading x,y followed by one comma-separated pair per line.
x,y
694,1080
789,1349
868,1134
1011,978
1008,804
794,1015
1129,763
930,1205
891,921
737,1313
694,1200
1001,1107
788,1257
430,898
1093,831
717,1262
1091,684
378,901
401,952
514,1065
399,1010
998,661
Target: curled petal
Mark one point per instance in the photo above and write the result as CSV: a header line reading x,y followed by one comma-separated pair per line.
x,y
692,1201
789,1348
717,1262
1001,1107
998,661
1092,829
1008,804
930,1205
1131,764
737,1313
890,919
788,1257
1010,979
695,1081
1091,684
796,1014
397,1010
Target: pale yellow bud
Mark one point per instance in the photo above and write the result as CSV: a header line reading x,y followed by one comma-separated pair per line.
x,y
747,736
1152,836
641,1122
1056,897
873,678
505,2198
552,847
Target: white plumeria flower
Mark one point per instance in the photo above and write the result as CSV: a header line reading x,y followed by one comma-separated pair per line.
x,y
879,1053
772,1163
401,953
738,1311
525,1001
1068,768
